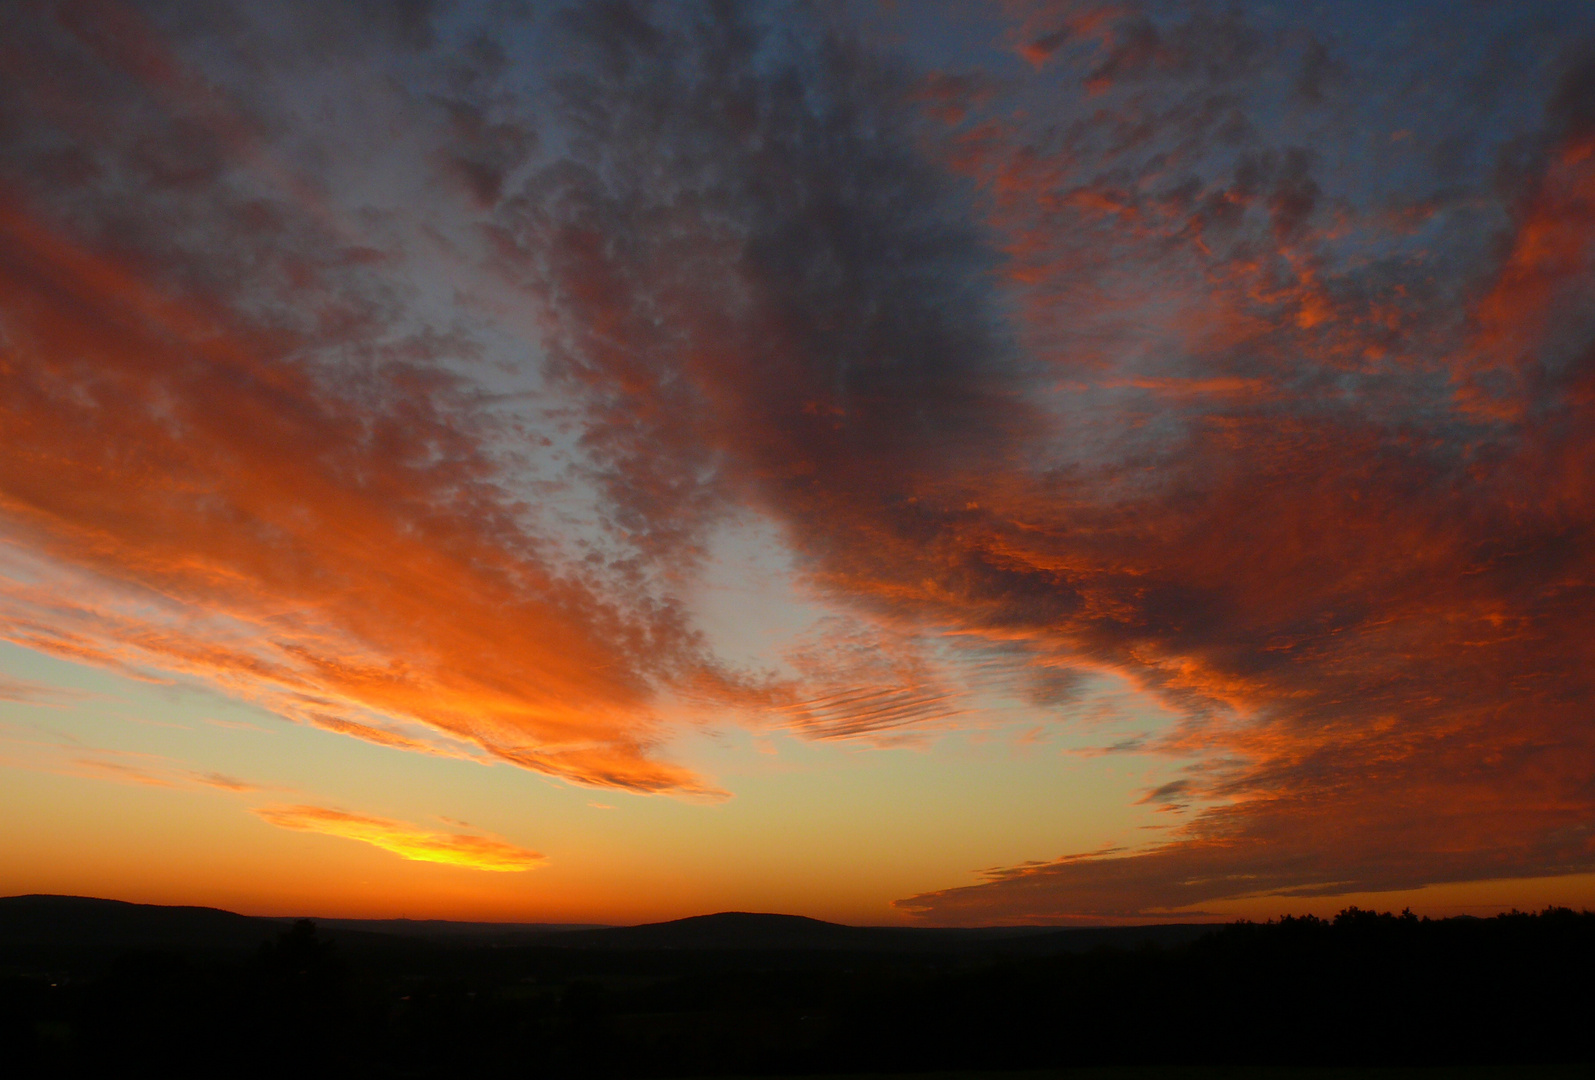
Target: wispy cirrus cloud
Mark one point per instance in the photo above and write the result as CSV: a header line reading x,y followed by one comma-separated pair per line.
x,y
26,692
39,748
224,782
123,767
67,756
474,850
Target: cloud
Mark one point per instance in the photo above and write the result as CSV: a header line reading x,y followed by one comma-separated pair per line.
x,y
1372,607
1167,796
103,765
235,454
55,752
1125,357
24,692
224,782
1143,387
473,850
235,725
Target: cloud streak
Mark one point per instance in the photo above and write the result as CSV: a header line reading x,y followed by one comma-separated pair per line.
x,y
45,750
25,692
472,850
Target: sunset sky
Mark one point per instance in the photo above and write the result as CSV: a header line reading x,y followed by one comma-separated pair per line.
x,y
918,462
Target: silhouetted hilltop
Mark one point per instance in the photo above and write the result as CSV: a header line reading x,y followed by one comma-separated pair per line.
x,y
726,930
453,932
96,987
41,928
86,923
42,925
759,931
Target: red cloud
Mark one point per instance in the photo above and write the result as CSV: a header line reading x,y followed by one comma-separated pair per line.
x,y
1209,454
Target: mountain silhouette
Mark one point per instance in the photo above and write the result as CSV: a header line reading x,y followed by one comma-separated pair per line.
x,y
728,930
82,923
758,931
43,925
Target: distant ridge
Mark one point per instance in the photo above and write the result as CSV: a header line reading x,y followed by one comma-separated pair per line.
x,y
453,930
726,930
84,923
38,925
744,930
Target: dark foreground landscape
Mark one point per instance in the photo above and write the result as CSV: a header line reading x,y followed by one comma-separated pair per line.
x,y
124,989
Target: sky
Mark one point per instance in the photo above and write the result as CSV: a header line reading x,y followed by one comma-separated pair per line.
x,y
1045,461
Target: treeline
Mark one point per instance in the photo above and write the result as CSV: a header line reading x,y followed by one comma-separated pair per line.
x,y
1363,988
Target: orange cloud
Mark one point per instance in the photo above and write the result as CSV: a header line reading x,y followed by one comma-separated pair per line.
x,y
24,692
224,782
104,766
471,850
231,486
62,754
